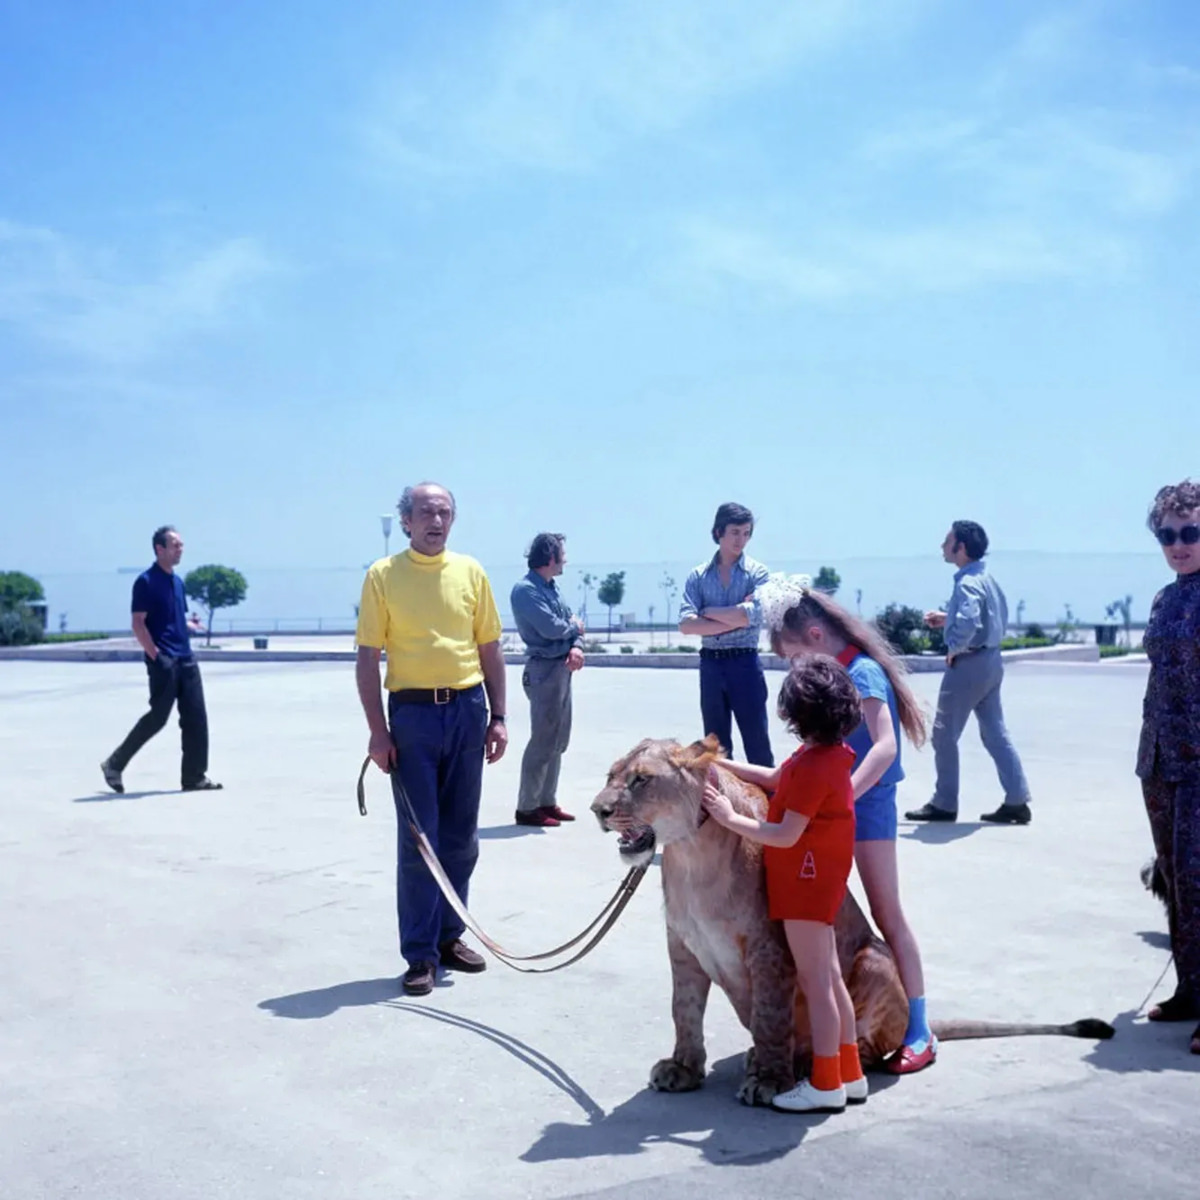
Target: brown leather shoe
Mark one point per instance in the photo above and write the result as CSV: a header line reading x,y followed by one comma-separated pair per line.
x,y
543,818
418,979
557,813
458,956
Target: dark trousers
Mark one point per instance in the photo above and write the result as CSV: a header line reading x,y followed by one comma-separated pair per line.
x,y
547,684
1173,807
439,762
172,681
736,687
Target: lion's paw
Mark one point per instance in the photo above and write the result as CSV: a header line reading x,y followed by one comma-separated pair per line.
x,y
670,1075
761,1089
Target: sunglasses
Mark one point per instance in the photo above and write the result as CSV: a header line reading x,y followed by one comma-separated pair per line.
x,y
1189,535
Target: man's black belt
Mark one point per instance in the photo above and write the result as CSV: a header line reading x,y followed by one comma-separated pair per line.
x,y
737,652
427,695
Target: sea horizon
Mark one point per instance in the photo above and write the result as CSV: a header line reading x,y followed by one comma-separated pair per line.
x,y
1042,587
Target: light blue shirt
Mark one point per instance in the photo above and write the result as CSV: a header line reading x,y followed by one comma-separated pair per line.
x,y
872,683
704,589
977,614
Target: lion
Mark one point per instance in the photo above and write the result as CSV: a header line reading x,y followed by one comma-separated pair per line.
x,y
719,931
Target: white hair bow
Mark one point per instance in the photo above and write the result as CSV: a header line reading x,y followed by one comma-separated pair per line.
x,y
780,593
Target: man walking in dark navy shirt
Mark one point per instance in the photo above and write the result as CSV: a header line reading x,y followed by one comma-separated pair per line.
x,y
160,626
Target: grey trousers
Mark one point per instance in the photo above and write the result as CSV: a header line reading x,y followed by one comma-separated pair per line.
x,y
972,685
547,684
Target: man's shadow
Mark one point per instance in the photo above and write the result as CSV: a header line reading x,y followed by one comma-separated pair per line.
x,y
499,833
937,833
98,797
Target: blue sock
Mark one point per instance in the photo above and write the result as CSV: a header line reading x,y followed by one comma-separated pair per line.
x,y
918,1025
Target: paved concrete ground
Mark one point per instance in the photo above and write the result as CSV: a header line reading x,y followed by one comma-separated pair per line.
x,y
199,995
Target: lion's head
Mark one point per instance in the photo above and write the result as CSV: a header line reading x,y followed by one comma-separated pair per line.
x,y
652,796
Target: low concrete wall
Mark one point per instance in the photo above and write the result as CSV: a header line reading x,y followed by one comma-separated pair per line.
x,y
1088,652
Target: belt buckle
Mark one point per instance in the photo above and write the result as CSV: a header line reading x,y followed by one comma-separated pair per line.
x,y
443,695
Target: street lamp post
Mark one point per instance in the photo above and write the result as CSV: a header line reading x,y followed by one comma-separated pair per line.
x,y
386,522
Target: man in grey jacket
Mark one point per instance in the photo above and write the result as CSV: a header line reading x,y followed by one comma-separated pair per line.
x,y
974,623
552,637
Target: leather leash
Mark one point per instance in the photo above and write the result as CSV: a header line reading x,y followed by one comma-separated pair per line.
x,y
606,919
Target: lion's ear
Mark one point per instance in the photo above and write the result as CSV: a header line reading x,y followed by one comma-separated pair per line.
x,y
698,754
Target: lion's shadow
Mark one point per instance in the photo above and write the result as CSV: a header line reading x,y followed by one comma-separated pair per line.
x,y
709,1121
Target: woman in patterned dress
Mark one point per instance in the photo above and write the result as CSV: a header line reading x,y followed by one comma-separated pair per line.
x,y
1169,751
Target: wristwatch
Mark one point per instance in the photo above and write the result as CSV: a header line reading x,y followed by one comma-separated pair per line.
x,y
498,717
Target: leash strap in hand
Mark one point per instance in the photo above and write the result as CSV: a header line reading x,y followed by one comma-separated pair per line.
x,y
606,919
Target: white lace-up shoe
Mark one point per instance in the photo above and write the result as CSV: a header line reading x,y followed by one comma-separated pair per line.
x,y
857,1090
804,1098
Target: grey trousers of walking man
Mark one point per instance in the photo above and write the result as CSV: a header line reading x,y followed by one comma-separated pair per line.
x,y
547,684
972,685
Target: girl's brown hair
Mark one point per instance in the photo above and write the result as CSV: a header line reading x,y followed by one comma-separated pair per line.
x,y
819,701
816,607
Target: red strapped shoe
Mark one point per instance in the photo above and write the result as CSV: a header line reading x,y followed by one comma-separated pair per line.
x,y
907,1061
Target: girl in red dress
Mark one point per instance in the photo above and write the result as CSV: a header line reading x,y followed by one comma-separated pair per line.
x,y
809,840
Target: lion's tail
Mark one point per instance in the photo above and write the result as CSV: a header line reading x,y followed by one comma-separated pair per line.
x,y
1089,1027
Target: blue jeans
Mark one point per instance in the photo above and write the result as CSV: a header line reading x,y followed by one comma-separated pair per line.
x,y
439,761
735,687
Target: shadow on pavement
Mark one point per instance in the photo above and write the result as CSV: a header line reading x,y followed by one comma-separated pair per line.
x,y
1157,938
496,833
709,1121
97,797
1145,1046
324,1002
939,832
525,1054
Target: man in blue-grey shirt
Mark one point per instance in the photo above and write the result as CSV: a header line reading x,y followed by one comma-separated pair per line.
x,y
973,623
160,625
552,636
718,603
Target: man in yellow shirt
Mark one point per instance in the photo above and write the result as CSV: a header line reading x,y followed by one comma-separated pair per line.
x,y
434,613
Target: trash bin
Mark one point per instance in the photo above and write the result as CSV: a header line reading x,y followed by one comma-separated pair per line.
x,y
1106,635
260,643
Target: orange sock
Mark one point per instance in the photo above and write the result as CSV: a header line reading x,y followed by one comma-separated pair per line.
x,y
826,1073
850,1063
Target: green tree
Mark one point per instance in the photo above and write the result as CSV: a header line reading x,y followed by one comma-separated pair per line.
x,y
610,593
1125,608
17,588
903,627
670,591
585,585
827,581
215,587
19,624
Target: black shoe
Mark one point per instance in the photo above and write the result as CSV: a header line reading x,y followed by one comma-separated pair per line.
x,y
458,956
112,776
1179,1007
418,979
1009,814
930,812
203,784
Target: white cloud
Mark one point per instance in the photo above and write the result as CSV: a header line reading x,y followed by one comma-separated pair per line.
x,y
104,310
1009,187
841,264
560,85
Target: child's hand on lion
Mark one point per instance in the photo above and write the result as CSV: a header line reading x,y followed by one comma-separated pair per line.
x,y
715,804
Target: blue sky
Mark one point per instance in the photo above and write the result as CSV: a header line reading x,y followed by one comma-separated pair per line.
x,y
865,267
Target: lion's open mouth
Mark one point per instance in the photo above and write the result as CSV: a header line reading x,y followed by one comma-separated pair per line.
x,y
637,842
